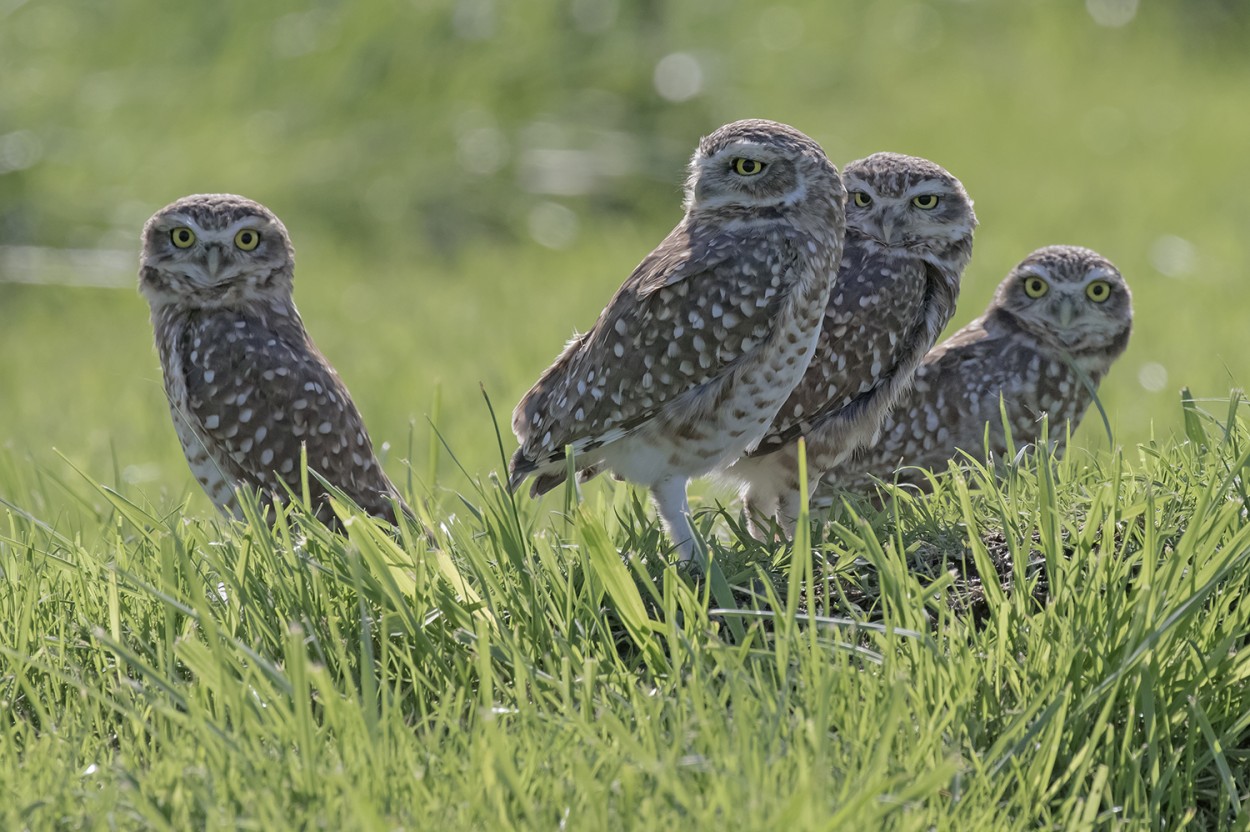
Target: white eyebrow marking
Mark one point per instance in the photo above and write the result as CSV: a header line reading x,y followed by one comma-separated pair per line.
x,y
860,185
256,224
929,186
1098,273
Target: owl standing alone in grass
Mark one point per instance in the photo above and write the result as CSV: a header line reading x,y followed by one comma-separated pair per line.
x,y
246,385
909,226
1062,313
688,364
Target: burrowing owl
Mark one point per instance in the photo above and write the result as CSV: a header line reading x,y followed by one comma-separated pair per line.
x,y
1060,309
909,226
246,385
688,364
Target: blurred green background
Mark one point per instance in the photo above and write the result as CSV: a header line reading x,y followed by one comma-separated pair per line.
x,y
468,181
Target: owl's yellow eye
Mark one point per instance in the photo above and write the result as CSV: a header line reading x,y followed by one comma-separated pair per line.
x,y
182,237
247,239
1035,287
926,202
862,199
1098,291
747,167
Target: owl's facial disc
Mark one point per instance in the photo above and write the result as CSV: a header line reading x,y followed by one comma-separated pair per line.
x,y
1078,310
745,174
928,212
202,254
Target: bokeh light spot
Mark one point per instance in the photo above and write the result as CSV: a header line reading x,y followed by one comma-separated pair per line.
x,y
552,225
474,19
678,77
1112,13
1152,376
1173,256
19,150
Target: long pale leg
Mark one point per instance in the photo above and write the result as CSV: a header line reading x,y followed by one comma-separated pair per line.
x,y
670,501
758,509
791,502
765,480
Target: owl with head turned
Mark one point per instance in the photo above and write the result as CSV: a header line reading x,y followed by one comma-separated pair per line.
x,y
247,388
1056,324
909,228
689,362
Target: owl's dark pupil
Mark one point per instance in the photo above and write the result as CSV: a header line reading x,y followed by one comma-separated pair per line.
x,y
246,239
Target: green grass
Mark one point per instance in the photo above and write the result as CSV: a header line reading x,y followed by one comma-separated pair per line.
x,y
184,673
1062,648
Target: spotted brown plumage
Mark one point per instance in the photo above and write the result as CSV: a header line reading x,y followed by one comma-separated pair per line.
x,y
689,361
247,387
909,227
1030,352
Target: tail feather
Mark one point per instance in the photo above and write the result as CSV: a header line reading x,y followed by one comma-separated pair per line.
x,y
521,467
545,482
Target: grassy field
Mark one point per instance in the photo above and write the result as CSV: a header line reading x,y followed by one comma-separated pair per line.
x,y
1064,650
466,184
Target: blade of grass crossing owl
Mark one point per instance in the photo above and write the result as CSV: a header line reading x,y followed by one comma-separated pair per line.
x,y
1092,389
570,484
803,541
305,494
1008,439
503,457
801,556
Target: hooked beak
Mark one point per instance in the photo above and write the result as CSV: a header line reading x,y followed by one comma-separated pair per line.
x,y
214,262
887,229
1067,311
891,228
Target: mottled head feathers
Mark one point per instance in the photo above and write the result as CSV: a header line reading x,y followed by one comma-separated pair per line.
x,y
215,250
898,200
1069,297
757,164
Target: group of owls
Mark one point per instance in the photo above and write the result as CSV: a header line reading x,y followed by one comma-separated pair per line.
x,y
790,302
